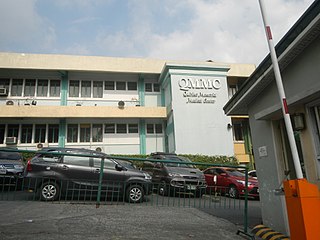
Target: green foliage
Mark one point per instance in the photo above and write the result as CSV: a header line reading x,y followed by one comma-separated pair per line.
x,y
27,156
203,159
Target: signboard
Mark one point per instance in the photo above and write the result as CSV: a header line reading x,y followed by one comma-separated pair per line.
x,y
199,90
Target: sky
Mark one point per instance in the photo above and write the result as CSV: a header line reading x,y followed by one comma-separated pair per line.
x,y
229,31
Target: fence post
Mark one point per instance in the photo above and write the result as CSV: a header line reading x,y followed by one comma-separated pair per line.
x,y
100,182
245,222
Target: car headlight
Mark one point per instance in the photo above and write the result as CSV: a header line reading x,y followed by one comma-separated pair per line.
x,y
242,182
18,166
147,176
174,175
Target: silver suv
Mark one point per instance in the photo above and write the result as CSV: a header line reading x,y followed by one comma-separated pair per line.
x,y
11,167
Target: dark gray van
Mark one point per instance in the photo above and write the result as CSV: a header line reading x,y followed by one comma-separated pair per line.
x,y
179,177
56,172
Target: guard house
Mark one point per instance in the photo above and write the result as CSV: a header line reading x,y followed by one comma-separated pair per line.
x,y
299,60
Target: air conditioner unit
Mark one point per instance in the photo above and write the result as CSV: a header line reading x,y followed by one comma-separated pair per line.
x,y
3,92
11,140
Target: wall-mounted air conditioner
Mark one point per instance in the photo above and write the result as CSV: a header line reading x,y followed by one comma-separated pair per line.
x,y
11,140
3,92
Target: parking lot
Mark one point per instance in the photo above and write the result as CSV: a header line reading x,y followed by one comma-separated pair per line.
x,y
44,220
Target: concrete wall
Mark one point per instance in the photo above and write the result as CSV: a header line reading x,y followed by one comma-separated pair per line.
x,y
200,125
302,85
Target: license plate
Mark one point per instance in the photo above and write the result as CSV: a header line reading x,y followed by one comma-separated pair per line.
x,y
191,187
3,171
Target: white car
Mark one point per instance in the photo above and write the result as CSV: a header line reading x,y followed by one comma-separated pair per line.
x,y
253,174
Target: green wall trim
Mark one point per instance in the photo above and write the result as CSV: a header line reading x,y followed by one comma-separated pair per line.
x,y
142,136
64,88
62,132
141,90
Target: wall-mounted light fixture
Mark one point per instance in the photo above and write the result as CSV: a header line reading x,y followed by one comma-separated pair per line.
x,y
298,121
121,104
229,126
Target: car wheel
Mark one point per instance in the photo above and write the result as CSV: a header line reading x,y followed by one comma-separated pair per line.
x,y
163,189
49,191
135,194
233,192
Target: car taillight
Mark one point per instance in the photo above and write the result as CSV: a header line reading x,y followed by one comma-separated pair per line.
x,y
29,168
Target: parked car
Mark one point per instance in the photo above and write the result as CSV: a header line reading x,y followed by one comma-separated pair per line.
x,y
11,167
175,178
253,173
230,181
54,172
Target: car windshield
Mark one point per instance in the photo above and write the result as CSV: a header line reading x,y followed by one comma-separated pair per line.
x,y
10,156
235,173
126,164
180,159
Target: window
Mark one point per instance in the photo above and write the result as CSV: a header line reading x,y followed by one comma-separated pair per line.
x,y
154,128
53,134
97,133
133,128
107,163
54,88
72,134
148,87
150,128
42,88
86,89
16,87
132,86
156,87
232,90
84,132
4,83
40,133
26,133
152,87
2,130
121,128
74,88
120,85
30,87
158,128
13,130
237,131
77,160
97,89
109,85
110,128
50,158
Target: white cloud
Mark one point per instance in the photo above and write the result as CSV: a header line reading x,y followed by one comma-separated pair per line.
x,y
220,30
21,26
228,31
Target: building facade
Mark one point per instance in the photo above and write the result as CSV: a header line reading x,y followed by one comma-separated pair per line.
x,y
299,59
119,105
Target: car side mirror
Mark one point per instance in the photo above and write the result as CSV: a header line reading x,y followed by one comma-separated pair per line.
x,y
119,167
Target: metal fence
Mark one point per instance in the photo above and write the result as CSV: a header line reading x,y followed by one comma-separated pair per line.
x,y
101,191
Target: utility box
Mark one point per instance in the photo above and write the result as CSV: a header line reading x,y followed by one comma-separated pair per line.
x,y
303,207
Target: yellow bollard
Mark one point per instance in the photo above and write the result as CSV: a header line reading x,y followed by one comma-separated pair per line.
x,y
303,207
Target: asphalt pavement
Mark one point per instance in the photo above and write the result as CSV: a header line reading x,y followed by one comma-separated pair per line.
x,y
29,220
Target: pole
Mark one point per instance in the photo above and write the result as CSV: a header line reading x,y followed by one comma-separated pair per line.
x,y
281,92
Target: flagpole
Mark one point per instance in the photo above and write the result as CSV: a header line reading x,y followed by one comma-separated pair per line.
x,y
281,92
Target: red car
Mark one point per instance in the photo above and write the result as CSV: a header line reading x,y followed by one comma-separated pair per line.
x,y
230,181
